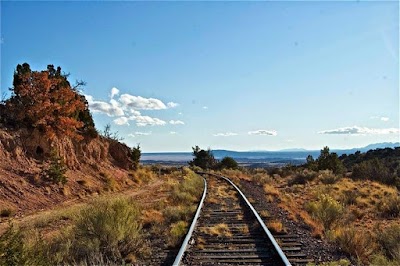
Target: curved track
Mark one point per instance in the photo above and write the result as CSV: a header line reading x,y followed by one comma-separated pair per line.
x,y
228,231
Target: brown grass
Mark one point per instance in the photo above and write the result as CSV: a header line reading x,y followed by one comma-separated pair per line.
x,y
200,242
220,230
366,203
152,217
265,214
244,229
276,227
271,190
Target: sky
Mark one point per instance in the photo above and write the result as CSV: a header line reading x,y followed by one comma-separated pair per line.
x,y
222,75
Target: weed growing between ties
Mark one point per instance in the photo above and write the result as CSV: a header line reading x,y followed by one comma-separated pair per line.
x,y
219,230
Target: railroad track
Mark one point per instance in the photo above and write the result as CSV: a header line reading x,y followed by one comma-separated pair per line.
x,y
227,230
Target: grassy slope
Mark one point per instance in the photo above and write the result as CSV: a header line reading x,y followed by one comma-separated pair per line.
x,y
360,217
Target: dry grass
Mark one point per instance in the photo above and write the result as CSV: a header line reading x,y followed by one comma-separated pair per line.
x,y
239,217
366,203
220,230
244,229
276,227
110,182
261,178
355,242
142,175
177,232
265,214
200,242
271,190
152,217
235,175
56,229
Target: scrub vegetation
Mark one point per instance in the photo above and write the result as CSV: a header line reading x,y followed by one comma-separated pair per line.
x,y
106,230
351,201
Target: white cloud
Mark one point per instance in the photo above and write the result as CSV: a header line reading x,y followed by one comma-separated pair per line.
x,y
121,121
114,91
356,130
172,133
144,120
263,132
130,104
172,104
110,109
227,134
140,103
205,107
135,113
176,122
180,113
382,118
137,133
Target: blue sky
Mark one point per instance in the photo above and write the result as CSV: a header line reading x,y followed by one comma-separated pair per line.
x,y
225,75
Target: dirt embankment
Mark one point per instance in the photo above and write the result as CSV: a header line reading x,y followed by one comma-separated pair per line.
x,y
93,166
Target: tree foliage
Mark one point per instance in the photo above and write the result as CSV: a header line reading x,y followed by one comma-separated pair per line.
x,y
325,161
46,101
57,169
228,163
329,161
107,133
382,165
135,156
203,158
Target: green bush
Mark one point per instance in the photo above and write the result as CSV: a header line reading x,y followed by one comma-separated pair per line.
x,y
176,213
110,228
189,190
327,177
135,157
57,169
330,161
227,163
375,169
380,260
176,232
22,248
327,210
303,177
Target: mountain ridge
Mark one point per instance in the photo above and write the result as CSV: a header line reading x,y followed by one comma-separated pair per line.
x,y
380,145
294,156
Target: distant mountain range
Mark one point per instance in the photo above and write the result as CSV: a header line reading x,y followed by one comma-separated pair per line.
x,y
374,146
294,156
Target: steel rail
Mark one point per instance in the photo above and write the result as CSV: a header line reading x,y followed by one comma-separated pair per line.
x,y
185,242
260,221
